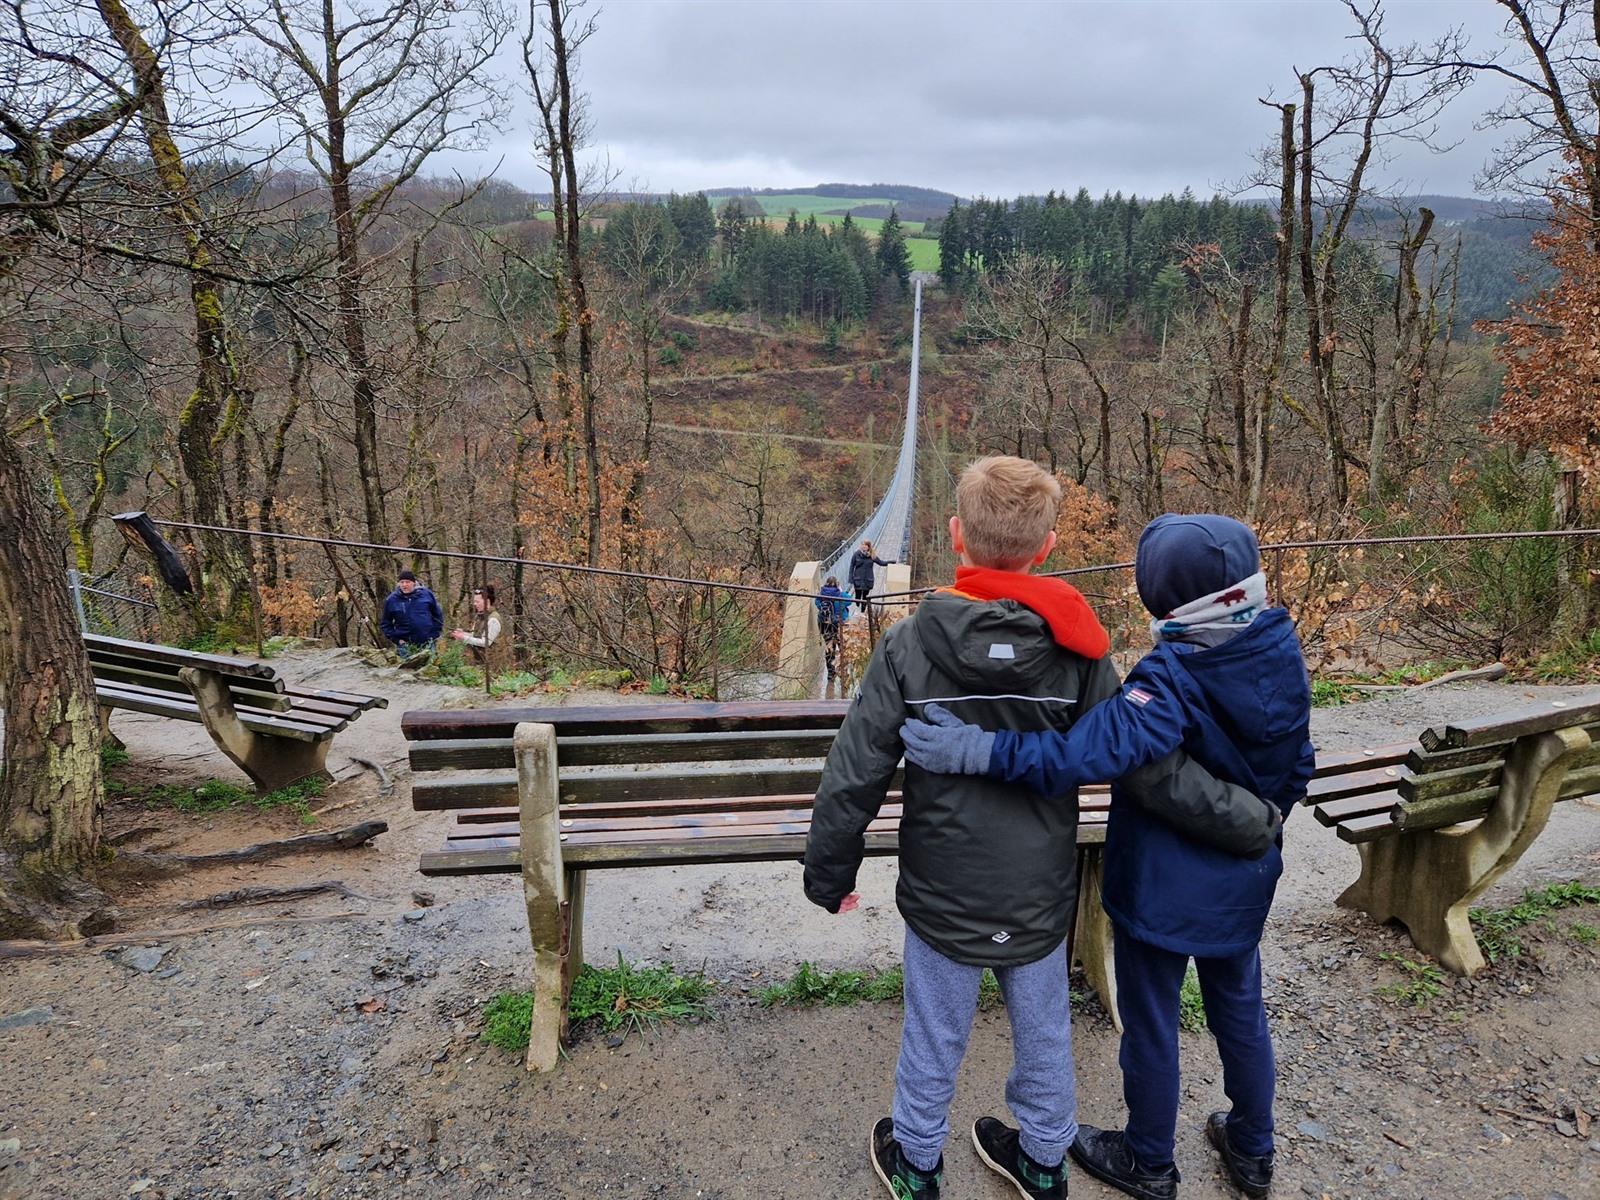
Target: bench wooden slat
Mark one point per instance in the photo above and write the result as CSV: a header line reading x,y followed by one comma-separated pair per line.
x,y
1342,762
506,859
257,692
604,721
476,754
1508,726
171,655
160,705
1095,798
1332,812
300,716
1439,811
1452,780
741,779
581,821
353,699
1354,783
1366,829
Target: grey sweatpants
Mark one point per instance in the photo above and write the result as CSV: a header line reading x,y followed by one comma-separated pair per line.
x,y
941,1001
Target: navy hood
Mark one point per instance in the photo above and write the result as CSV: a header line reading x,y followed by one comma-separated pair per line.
x,y
1182,558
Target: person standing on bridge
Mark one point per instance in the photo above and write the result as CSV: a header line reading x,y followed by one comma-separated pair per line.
x,y
862,576
833,609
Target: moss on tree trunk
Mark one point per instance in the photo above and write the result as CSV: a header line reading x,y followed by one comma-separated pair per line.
x,y
50,794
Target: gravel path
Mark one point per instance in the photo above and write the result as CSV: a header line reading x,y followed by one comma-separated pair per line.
x,y
330,1049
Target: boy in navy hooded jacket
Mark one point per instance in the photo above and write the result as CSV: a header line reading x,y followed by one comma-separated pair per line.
x,y
1226,682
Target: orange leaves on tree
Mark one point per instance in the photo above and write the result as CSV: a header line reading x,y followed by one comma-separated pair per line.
x,y
1551,345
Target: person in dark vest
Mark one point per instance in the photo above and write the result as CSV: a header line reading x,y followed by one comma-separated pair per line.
x,y
483,642
862,577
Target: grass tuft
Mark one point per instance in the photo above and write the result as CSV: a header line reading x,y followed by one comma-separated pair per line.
x,y
506,1019
625,997
810,988
1191,1006
1422,982
216,795
1496,927
112,757
1329,693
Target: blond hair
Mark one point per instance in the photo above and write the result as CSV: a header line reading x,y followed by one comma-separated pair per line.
x,y
1007,507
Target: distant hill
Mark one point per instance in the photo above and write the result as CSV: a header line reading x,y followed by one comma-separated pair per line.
x,y
912,203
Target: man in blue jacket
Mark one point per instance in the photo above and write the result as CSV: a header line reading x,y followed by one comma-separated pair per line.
x,y
412,618
1227,683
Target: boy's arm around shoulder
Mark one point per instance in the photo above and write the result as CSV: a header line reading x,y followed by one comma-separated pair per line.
x,y
1117,732
858,772
1179,792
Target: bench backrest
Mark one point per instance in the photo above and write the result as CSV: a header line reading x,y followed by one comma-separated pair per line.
x,y
1451,775
464,759
153,668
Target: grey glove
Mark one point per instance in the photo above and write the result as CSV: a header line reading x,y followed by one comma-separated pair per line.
x,y
945,744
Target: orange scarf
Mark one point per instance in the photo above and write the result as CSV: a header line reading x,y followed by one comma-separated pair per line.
x,y
1072,622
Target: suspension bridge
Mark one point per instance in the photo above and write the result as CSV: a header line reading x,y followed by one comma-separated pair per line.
x,y
888,527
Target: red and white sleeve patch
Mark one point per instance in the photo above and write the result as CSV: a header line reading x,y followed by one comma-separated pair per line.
x,y
1138,695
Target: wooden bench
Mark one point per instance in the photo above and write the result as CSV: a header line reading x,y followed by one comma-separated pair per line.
x,y
553,793
1438,821
276,733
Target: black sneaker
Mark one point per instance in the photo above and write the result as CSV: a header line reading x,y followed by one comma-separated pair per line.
x,y
1105,1155
1251,1174
999,1146
903,1180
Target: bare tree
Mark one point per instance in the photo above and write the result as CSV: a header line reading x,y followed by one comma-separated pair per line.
x,y
61,114
551,40
1385,95
1030,319
222,396
1553,109
372,90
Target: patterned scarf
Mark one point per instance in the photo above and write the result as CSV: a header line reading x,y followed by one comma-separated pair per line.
x,y
1215,617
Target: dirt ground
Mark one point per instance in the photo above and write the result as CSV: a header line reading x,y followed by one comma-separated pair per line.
x,y
328,1047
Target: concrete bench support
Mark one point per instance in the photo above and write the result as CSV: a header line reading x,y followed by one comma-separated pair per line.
x,y
270,762
1427,880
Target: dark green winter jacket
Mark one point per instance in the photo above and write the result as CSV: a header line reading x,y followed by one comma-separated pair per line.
x,y
988,871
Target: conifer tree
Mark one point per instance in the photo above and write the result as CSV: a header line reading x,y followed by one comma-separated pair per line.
x,y
894,256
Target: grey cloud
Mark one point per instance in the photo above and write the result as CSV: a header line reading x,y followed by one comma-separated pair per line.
x,y
974,98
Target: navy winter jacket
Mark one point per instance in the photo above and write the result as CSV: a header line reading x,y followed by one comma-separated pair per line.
x,y
412,619
1242,710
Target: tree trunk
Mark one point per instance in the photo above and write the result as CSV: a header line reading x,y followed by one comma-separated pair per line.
x,y
580,296
216,406
349,287
1319,337
50,793
1267,402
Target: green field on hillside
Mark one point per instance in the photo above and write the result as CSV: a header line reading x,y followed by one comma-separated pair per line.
x,y
924,253
778,209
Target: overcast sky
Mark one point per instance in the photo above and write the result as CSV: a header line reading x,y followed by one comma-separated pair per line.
x,y
992,97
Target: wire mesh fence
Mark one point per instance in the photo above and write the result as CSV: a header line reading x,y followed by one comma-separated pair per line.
x,y
116,605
